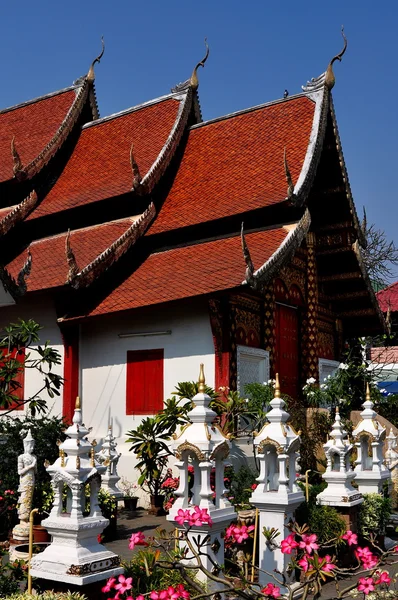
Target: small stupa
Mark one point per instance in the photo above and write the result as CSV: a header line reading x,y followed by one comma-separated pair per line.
x,y
108,456
369,437
75,555
339,474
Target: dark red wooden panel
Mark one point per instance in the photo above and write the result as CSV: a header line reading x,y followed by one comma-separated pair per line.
x,y
287,363
144,391
71,371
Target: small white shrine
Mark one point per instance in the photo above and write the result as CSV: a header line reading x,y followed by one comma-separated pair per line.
x,y
108,456
339,473
277,495
369,437
203,445
75,556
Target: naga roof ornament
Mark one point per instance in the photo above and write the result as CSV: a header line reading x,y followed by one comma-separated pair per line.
x,y
24,273
136,170
71,260
194,81
18,166
290,184
91,74
249,263
330,79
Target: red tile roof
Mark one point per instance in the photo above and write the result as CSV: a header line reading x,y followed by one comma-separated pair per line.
x,y
191,271
235,164
100,164
33,124
49,265
388,297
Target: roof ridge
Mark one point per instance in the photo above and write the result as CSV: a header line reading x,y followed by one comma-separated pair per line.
x,y
248,110
71,88
386,289
56,235
126,111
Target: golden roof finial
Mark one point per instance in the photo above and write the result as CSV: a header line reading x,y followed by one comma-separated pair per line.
x,y
330,79
277,386
367,398
91,74
194,77
201,380
337,410
78,404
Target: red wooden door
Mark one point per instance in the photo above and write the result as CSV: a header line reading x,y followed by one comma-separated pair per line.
x,y
144,382
287,359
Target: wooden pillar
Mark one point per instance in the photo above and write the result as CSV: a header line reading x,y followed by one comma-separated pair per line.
x,y
70,337
269,324
219,328
311,350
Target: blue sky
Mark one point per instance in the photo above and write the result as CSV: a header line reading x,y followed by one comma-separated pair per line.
x,y
257,49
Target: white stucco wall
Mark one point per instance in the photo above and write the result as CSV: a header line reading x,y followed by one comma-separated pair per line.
x,y
103,357
40,309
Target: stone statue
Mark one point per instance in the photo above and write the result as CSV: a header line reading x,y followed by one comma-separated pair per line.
x,y
27,468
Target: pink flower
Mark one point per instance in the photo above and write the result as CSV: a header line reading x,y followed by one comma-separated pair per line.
x,y
124,584
288,544
271,590
366,557
182,592
110,584
366,585
383,578
229,532
303,563
191,469
172,594
181,517
137,539
140,597
352,538
162,595
198,517
254,486
308,543
328,566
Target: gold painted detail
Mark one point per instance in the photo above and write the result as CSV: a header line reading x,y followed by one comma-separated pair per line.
x,y
191,448
194,81
268,442
201,380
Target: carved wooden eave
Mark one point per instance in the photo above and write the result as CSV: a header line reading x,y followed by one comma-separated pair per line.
x,y
18,213
111,255
283,254
83,90
146,184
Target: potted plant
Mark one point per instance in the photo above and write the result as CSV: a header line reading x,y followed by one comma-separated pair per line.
x,y
148,442
129,490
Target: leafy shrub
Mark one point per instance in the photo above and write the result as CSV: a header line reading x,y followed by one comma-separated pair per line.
x,y
50,595
326,523
11,575
374,513
241,485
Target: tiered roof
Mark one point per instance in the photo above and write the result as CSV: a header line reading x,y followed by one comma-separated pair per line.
x,y
154,198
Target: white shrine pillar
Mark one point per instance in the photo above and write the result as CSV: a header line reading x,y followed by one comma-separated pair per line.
x,y
369,437
204,446
391,460
277,495
109,458
339,474
75,556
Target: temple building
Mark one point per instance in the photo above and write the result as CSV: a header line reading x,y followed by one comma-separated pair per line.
x,y
150,241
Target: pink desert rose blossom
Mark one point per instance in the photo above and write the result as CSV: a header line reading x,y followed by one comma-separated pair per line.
x,y
383,577
124,584
366,557
351,538
196,518
303,563
182,592
137,539
110,584
162,595
181,517
328,566
366,585
271,590
288,544
308,543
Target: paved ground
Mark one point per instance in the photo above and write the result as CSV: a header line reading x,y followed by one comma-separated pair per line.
x,y
131,522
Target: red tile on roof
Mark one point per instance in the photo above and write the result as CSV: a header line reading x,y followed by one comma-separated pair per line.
x,y
388,297
100,164
33,125
49,266
235,164
191,271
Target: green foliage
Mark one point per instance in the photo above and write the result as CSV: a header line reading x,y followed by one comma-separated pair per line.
x,y
240,483
20,349
326,523
148,575
148,442
174,414
188,389
12,574
45,431
259,396
374,513
387,407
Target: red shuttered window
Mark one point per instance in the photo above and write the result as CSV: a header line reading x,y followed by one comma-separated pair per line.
x,y
144,394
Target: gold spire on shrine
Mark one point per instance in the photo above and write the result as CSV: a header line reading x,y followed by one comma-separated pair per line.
x,y
78,403
201,380
194,81
277,386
